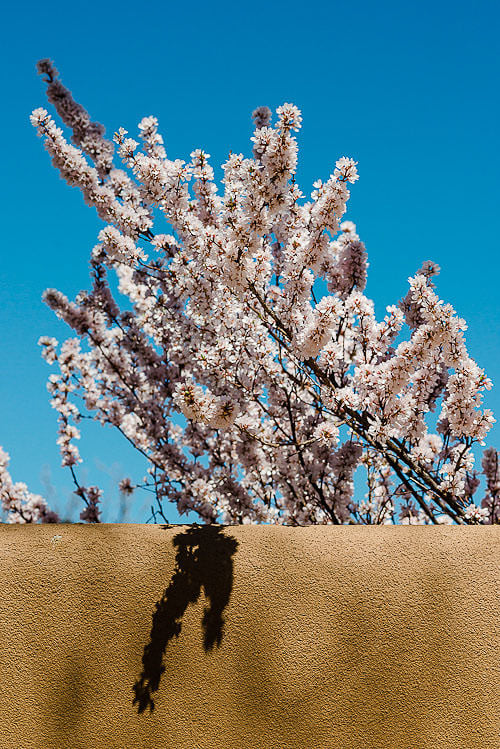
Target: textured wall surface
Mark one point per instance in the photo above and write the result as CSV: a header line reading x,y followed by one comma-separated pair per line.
x,y
249,637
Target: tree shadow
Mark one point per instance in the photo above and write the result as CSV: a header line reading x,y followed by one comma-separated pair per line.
x,y
203,560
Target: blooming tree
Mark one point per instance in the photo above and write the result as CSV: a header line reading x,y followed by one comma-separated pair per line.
x,y
281,393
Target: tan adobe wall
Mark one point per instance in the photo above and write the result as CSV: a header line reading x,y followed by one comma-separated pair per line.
x,y
249,637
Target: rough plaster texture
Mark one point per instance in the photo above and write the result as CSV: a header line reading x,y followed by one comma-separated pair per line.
x,y
249,637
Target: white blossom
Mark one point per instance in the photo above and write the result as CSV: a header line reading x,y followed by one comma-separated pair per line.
x,y
283,393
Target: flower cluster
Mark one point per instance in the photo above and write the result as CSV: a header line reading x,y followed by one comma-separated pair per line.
x,y
20,504
252,396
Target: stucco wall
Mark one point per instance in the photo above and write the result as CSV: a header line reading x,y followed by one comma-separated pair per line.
x,y
253,637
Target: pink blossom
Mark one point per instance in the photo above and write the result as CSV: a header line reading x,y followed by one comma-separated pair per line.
x,y
283,394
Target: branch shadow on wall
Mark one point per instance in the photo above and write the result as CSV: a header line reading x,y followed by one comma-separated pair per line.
x,y
203,561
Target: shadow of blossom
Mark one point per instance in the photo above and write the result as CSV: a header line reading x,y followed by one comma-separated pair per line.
x,y
203,561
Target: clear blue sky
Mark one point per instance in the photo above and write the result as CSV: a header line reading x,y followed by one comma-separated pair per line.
x,y
410,90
